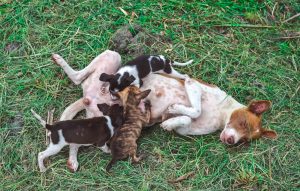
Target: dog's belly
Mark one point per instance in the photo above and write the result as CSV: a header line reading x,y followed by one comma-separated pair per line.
x,y
165,91
92,91
211,118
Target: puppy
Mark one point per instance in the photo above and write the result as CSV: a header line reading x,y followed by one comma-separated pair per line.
x,y
123,143
83,132
135,70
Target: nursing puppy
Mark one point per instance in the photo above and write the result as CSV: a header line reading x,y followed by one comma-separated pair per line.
x,y
82,132
123,143
137,69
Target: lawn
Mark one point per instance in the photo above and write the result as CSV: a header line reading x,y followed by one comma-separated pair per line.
x,y
251,49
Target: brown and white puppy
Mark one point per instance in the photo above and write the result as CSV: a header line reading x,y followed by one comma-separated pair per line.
x,y
82,132
123,143
201,108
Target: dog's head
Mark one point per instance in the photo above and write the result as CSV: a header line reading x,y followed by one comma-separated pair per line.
x,y
133,96
115,112
117,82
245,124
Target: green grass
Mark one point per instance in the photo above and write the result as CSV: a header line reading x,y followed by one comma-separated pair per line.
x,y
233,44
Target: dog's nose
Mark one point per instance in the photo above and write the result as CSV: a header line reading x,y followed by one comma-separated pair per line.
x,y
230,140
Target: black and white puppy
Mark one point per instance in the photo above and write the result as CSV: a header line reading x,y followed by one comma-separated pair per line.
x,y
135,70
83,132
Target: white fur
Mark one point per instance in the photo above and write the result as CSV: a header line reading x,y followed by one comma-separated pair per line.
x,y
193,90
162,57
110,126
228,132
182,64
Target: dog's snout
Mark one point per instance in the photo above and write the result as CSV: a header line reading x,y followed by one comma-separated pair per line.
x,y
230,140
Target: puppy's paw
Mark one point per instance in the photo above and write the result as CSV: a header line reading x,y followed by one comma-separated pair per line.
x,y
105,149
43,169
72,165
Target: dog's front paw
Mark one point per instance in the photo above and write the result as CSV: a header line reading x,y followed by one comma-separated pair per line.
x,y
173,109
166,126
72,165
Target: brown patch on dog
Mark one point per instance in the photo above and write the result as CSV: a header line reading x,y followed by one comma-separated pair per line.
x,y
160,91
123,143
248,121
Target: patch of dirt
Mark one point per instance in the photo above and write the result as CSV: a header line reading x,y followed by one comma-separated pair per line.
x,y
17,124
135,41
11,47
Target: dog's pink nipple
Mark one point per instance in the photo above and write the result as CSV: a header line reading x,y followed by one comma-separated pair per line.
x,y
86,101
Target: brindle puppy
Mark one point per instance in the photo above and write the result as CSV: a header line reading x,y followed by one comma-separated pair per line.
x,y
137,114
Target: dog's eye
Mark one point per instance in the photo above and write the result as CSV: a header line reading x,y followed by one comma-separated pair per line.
x,y
243,123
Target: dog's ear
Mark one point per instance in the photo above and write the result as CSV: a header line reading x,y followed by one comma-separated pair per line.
x,y
267,133
106,77
143,94
259,107
104,108
130,79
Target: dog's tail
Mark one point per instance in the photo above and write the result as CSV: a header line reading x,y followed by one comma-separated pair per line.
x,y
39,118
110,164
182,64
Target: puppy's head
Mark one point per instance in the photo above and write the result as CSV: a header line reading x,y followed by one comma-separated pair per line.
x,y
115,112
117,82
132,95
245,124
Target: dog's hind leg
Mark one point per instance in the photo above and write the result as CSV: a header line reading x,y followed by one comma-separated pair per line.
x,y
76,76
72,161
70,112
51,150
193,90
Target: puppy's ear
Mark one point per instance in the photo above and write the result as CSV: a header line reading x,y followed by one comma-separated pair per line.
x,y
106,77
104,108
130,79
143,94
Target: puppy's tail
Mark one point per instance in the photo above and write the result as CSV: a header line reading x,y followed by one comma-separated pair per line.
x,y
182,64
110,164
39,118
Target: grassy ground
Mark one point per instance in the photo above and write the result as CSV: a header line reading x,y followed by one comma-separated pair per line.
x,y
235,45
